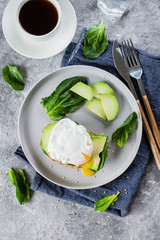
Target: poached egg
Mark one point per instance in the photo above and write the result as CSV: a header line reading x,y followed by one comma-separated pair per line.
x,y
70,143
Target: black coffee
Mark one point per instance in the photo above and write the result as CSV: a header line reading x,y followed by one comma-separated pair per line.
x,y
38,17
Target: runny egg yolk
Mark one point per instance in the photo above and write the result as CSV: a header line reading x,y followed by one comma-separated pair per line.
x,y
85,167
86,157
87,172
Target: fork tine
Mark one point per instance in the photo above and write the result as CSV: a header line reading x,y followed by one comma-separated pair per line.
x,y
127,55
135,54
131,54
124,54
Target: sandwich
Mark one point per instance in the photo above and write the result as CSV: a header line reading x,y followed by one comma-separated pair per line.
x,y
72,145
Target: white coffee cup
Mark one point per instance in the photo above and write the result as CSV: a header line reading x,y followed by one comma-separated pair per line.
x,y
37,37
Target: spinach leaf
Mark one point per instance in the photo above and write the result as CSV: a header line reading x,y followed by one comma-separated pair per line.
x,y
95,41
122,133
103,203
103,154
17,178
63,101
12,76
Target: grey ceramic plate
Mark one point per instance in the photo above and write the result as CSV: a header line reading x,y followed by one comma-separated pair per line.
x,y
32,119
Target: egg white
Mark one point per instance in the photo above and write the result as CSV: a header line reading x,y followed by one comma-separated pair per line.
x,y
69,143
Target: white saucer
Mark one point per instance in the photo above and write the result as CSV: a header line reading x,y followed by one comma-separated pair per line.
x,y
43,49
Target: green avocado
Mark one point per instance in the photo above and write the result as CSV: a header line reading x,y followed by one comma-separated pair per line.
x,y
101,87
98,147
83,90
45,137
110,105
95,106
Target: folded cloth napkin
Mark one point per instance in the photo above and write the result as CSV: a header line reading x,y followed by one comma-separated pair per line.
x,y
127,184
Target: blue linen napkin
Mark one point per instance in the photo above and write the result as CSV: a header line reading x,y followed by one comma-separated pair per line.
x,y
127,184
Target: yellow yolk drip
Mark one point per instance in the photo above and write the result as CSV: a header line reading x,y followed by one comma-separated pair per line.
x,y
87,172
86,157
85,167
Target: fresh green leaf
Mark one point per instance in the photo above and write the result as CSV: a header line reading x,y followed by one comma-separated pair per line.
x,y
103,203
12,76
95,41
63,101
17,178
122,132
103,154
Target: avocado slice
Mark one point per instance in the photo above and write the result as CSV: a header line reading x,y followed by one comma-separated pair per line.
x,y
95,106
110,105
101,87
45,137
83,90
98,147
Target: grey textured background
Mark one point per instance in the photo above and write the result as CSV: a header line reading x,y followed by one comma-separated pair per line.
x,y
43,217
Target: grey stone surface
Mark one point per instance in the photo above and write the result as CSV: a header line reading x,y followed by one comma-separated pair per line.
x,y
43,217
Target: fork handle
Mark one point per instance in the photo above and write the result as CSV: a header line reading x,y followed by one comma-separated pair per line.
x,y
150,137
152,120
149,112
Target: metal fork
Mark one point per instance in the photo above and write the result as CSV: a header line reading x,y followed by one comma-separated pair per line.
x,y
135,71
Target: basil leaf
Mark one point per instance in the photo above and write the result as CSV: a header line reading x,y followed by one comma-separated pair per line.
x,y
12,76
103,203
17,178
122,132
103,154
95,41
63,101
